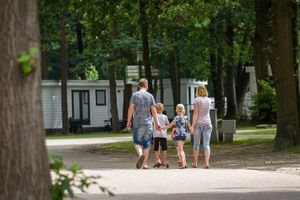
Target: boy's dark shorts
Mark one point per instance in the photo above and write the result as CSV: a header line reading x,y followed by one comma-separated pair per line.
x,y
162,142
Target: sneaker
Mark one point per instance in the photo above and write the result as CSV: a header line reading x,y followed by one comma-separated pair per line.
x,y
140,162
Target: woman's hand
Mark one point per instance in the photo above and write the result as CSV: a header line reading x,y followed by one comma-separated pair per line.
x,y
192,131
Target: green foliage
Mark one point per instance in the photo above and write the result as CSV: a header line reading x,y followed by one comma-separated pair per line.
x,y
264,103
182,26
65,179
27,60
91,73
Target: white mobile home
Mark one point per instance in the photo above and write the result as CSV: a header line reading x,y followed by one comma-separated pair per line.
x,y
89,101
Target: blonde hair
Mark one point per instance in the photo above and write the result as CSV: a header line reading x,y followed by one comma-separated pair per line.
x,y
202,91
159,108
180,110
143,83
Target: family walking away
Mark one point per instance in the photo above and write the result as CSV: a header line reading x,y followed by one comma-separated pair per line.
x,y
149,123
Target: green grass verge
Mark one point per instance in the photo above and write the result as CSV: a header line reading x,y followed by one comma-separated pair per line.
x,y
88,135
252,141
260,132
128,146
245,127
295,149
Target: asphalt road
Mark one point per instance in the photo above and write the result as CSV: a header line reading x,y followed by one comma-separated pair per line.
x,y
179,184
212,184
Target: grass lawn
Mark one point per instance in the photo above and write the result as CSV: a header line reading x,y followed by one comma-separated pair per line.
x,y
128,146
88,135
261,132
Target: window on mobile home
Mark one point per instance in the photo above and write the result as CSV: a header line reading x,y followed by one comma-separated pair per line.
x,y
100,97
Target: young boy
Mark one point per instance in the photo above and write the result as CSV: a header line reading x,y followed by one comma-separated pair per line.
x,y
160,138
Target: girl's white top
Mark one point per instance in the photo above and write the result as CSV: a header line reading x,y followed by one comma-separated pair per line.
x,y
203,110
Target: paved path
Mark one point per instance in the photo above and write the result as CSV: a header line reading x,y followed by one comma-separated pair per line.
x,y
190,184
84,141
212,184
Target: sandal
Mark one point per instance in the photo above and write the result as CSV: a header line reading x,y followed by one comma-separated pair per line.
x,y
194,166
165,165
206,167
182,167
140,162
145,167
157,165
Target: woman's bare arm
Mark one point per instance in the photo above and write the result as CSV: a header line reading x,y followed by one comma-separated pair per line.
x,y
195,114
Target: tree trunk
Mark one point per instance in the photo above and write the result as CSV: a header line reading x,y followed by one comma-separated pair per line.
x,y
263,33
295,52
231,112
160,77
217,79
45,72
113,85
79,38
175,78
241,87
284,75
126,99
145,43
64,76
24,168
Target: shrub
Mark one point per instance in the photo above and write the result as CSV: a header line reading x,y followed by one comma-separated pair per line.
x,y
264,103
65,179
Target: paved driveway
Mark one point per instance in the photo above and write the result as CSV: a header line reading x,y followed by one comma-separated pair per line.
x,y
187,184
214,184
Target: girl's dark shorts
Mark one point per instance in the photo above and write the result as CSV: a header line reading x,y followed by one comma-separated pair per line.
x,y
182,138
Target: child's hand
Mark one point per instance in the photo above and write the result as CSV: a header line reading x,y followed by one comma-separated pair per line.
x,y
158,127
192,131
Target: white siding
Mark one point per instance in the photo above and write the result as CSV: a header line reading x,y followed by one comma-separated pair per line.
x,y
51,98
51,107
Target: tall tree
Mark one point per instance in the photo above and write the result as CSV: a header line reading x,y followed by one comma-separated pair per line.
x,y
24,168
175,77
230,81
263,33
64,75
145,43
282,64
112,83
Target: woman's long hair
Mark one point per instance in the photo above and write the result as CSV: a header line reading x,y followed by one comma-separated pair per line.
x,y
202,91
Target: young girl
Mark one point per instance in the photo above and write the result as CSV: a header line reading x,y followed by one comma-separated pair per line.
x,y
182,125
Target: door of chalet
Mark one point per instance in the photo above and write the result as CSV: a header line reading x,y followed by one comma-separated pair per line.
x,y
81,106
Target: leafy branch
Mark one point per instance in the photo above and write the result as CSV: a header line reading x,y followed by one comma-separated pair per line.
x,y
28,59
65,179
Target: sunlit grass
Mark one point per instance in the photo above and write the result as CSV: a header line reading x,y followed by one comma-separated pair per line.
x,y
88,135
261,132
252,141
295,149
128,146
